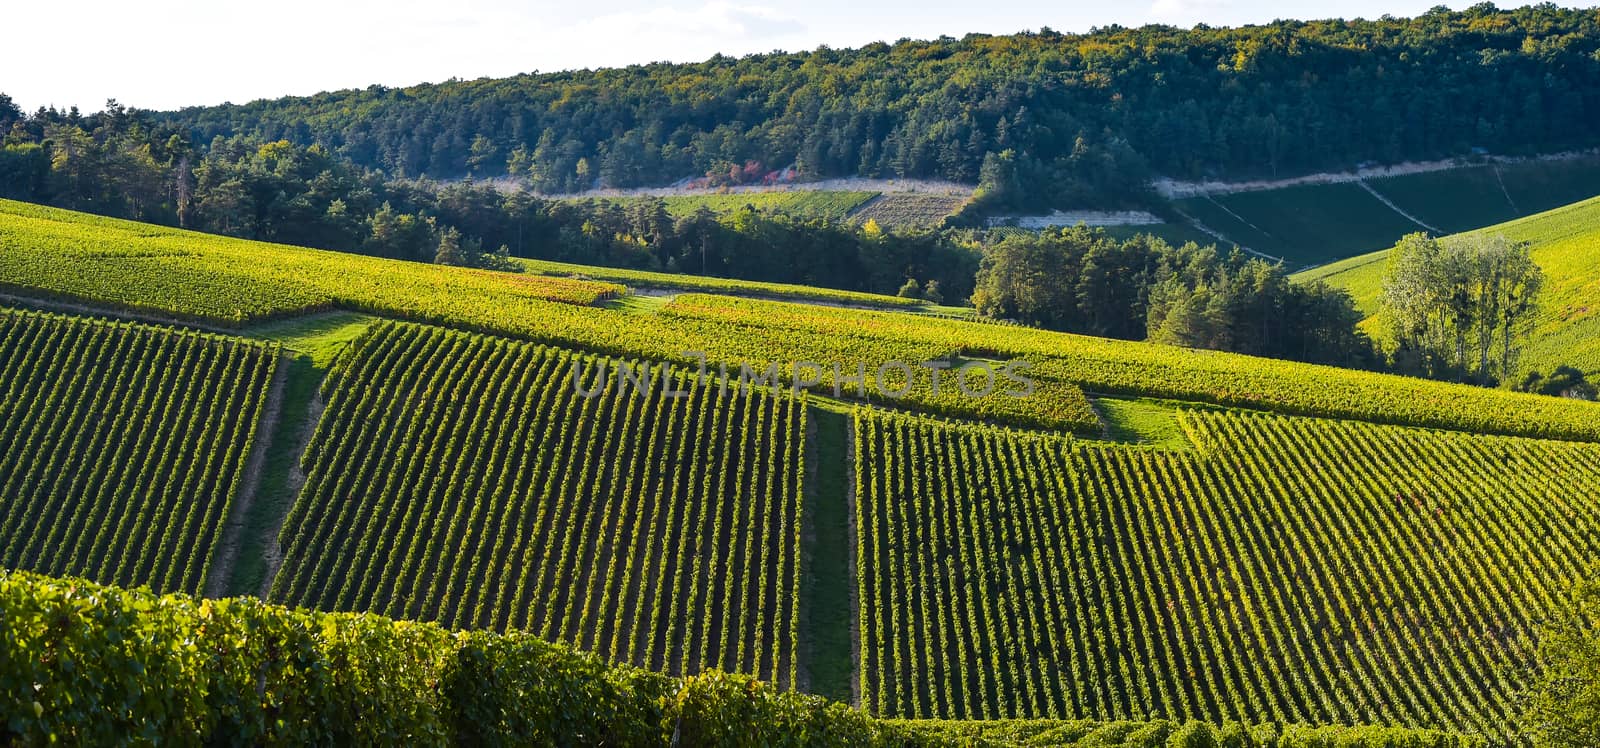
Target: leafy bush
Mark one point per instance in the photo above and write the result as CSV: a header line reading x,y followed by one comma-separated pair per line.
x,y
1565,709
82,663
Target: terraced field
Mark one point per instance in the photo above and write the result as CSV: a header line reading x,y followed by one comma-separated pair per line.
x,y
122,446
1293,569
484,483
900,210
834,205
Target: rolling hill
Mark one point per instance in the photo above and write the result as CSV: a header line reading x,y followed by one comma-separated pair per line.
x,y
1315,224
1566,245
1292,544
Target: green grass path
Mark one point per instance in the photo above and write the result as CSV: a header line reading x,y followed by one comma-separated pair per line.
x,y
314,342
825,631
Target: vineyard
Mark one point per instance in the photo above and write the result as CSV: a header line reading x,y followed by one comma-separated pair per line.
x,y
473,481
122,446
182,274
909,209
831,205
1313,224
1256,569
1291,569
240,671
203,278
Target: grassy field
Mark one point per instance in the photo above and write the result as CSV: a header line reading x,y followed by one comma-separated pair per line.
x,y
1318,224
1566,244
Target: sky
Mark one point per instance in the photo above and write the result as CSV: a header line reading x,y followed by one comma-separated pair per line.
x,y
164,54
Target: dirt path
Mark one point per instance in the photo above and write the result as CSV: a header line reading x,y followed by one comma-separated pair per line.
x,y
221,572
297,479
1502,182
1220,237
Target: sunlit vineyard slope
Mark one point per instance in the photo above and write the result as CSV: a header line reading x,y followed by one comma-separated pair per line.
x,y
122,446
1292,569
52,252
491,484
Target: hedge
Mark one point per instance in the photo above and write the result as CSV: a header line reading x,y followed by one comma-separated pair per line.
x,y
82,663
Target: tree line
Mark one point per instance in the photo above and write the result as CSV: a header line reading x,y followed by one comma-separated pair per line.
x,y
124,162
1082,280
1460,309
1084,118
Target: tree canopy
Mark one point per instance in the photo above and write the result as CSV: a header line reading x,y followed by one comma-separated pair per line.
x,y
1086,118
1081,280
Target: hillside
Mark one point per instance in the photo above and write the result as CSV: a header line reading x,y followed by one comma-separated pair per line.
x,y
1566,245
1314,224
166,272
1088,117
677,282
1299,569
1285,543
123,448
526,504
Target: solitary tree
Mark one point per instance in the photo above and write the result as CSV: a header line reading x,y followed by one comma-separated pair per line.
x,y
450,251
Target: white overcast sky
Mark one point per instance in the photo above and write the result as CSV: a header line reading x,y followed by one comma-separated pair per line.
x,y
162,54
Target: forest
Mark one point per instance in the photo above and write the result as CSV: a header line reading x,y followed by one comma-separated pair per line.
x,y
1081,280
123,162
1044,119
